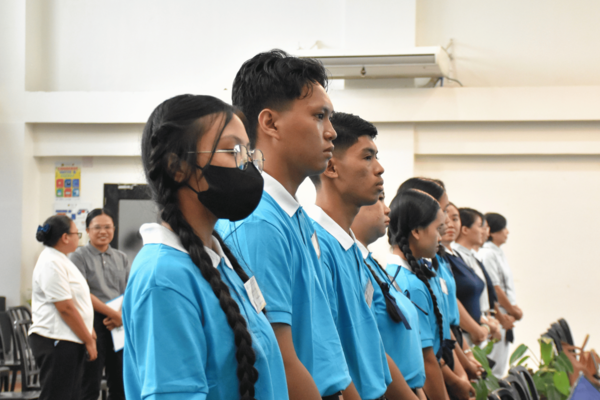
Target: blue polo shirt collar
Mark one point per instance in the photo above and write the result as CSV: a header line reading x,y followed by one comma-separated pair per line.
x,y
332,227
283,198
157,234
395,259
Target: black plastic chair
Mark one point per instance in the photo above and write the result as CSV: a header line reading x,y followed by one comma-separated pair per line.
x,y
8,357
29,371
522,371
567,330
519,386
502,394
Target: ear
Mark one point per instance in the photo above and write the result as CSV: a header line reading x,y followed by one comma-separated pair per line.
x,y
416,233
267,123
464,230
331,170
65,238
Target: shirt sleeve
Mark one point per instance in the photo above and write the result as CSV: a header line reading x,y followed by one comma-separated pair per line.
x,y
423,300
77,259
170,347
267,253
54,282
492,267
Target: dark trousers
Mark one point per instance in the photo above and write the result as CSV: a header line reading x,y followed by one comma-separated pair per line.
x,y
61,366
107,358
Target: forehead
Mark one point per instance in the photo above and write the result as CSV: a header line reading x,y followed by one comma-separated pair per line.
x,y
234,132
313,96
102,219
364,144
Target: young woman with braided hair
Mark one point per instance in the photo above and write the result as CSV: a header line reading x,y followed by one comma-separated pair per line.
x,y
194,327
413,232
444,286
397,319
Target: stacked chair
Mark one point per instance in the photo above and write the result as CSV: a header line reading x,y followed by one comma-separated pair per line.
x,y
585,362
517,385
16,356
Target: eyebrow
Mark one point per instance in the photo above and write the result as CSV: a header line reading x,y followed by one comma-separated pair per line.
x,y
370,151
235,138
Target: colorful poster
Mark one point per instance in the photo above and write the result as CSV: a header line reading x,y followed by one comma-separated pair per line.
x,y
75,210
67,180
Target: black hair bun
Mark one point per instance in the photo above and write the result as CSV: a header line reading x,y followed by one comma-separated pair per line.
x,y
40,236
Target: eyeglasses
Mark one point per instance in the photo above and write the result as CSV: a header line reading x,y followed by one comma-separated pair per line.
x,y
242,156
98,228
75,233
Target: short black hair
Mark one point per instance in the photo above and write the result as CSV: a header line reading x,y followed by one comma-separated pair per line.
x,y
495,221
272,80
468,216
95,212
349,128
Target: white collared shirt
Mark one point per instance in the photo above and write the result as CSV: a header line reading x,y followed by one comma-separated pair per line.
x,y
332,227
469,258
363,249
156,233
56,278
497,267
284,199
395,259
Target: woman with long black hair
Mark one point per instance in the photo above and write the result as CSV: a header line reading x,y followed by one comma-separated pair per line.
x,y
193,318
415,220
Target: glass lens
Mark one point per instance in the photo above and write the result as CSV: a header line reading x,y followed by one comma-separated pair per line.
x,y
241,156
258,159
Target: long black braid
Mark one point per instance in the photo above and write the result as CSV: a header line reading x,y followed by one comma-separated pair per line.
x,y
390,302
169,136
409,210
424,274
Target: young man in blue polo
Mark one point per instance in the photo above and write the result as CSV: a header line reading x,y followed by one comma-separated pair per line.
x,y
287,111
351,180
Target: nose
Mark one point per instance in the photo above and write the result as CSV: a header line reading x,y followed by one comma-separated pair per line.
x,y
379,168
330,133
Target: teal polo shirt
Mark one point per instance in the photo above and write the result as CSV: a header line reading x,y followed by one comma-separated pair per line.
x,y
401,344
419,294
347,281
445,272
277,244
178,344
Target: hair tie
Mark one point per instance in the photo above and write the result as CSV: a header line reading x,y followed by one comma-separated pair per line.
x,y
44,229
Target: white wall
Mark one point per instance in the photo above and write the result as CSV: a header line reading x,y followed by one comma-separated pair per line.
x,y
551,204
515,43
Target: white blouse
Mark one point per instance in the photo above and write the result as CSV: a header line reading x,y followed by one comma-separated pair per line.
x,y
56,278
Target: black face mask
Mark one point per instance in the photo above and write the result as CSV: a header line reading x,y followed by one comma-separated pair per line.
x,y
232,193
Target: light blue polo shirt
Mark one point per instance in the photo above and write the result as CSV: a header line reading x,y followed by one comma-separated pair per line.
x,y
348,279
445,272
401,344
178,344
277,245
417,292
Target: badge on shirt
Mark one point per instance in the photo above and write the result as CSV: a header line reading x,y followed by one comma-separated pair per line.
x,y
444,286
369,293
315,242
255,295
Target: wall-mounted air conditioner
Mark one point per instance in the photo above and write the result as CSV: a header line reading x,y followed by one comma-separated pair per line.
x,y
417,62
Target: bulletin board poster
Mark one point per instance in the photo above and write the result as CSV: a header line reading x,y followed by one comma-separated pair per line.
x,y
67,180
75,210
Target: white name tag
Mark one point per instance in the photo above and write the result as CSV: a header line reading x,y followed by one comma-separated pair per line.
x,y
315,242
444,286
369,293
255,295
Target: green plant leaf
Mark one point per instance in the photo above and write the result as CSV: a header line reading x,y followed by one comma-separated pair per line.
x,y
565,362
553,394
481,357
546,350
518,353
561,382
492,382
522,360
481,390
489,347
